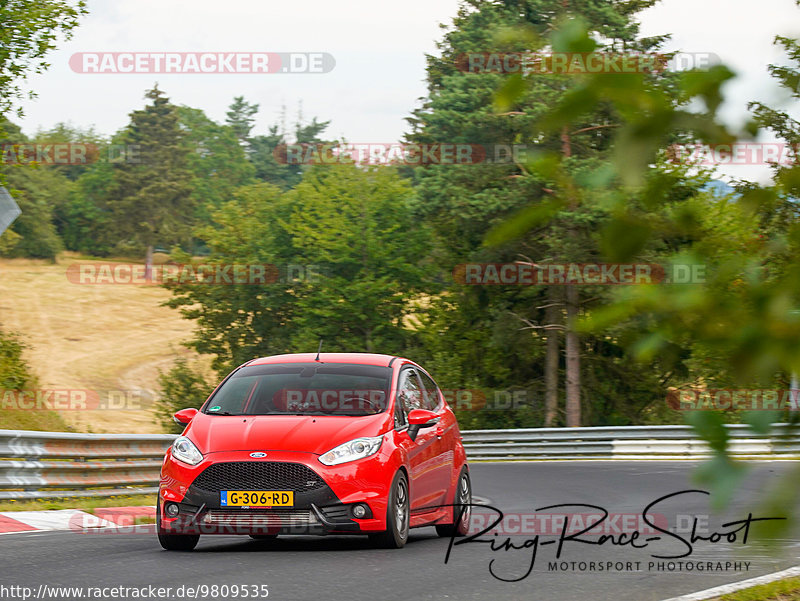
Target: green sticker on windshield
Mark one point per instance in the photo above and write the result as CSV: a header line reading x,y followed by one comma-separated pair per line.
x,y
215,408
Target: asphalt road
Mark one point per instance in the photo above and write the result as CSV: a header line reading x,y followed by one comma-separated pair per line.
x,y
334,568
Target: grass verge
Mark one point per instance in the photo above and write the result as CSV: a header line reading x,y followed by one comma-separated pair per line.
x,y
42,420
780,590
87,504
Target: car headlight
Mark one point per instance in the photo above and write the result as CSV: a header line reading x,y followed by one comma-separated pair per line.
x,y
184,450
350,451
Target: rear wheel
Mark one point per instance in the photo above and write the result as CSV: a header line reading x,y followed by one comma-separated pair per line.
x,y
397,516
174,542
463,498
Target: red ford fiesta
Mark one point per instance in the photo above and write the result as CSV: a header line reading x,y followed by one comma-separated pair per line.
x,y
333,443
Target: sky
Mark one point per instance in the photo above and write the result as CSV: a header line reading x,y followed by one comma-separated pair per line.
x,y
379,50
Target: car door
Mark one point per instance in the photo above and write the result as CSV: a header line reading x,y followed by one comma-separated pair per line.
x,y
445,436
423,451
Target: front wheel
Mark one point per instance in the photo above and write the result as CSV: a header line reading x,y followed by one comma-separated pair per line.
x,y
178,542
461,506
174,542
397,516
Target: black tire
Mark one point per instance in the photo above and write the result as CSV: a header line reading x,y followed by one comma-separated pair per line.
x,y
174,542
463,496
263,536
178,542
398,516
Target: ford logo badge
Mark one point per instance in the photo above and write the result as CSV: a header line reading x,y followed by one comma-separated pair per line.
x,y
258,455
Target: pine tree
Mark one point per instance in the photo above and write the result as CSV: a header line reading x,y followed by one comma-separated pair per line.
x,y
466,203
240,118
151,202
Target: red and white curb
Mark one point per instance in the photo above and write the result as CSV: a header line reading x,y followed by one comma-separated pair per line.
x,y
106,518
725,589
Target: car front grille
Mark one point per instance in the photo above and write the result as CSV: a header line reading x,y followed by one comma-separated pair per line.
x,y
273,518
258,475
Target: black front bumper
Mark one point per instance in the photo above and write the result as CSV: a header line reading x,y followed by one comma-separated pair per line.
x,y
314,520
316,510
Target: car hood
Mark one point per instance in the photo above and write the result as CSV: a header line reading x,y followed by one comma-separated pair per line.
x,y
311,434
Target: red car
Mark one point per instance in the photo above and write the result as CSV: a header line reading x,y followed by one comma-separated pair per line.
x,y
332,443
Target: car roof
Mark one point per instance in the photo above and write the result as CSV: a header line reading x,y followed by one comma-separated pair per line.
x,y
357,358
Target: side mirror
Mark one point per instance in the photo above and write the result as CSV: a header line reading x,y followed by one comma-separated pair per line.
x,y
418,419
184,416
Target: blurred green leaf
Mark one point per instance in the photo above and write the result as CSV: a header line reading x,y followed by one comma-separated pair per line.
x,y
706,84
761,421
572,36
722,476
575,103
709,426
623,237
509,93
523,221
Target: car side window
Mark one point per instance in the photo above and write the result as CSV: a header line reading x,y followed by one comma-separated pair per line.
x,y
431,396
399,414
409,396
413,392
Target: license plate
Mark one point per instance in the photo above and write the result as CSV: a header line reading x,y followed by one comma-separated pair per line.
x,y
256,498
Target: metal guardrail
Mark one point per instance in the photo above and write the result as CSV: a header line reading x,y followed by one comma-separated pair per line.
x,y
63,464
625,442
60,464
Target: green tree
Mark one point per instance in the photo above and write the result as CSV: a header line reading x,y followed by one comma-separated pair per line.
x,y
151,201
742,318
471,204
346,256
181,388
216,160
14,372
264,152
357,225
37,189
23,46
237,323
92,145
240,118
84,221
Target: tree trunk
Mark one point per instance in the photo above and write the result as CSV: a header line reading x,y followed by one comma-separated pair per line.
x,y
573,360
552,317
148,265
573,342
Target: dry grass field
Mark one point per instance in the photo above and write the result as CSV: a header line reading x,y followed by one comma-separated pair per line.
x,y
107,337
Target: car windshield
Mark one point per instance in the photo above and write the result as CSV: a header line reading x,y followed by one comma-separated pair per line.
x,y
303,389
